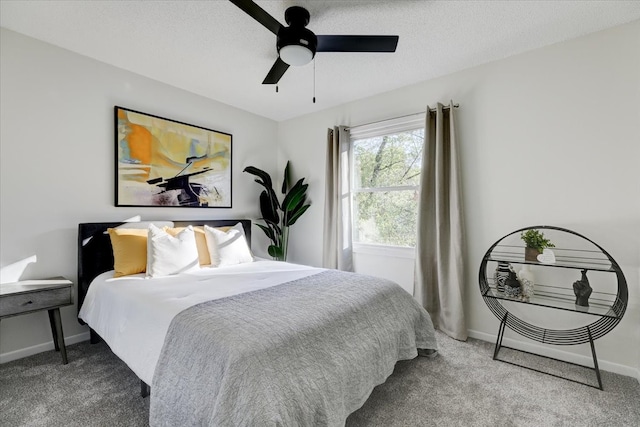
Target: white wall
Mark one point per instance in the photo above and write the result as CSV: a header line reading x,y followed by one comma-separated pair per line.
x,y
57,162
547,137
395,264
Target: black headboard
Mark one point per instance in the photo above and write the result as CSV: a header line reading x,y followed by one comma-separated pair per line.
x,y
95,255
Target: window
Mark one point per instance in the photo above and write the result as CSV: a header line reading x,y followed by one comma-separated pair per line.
x,y
386,164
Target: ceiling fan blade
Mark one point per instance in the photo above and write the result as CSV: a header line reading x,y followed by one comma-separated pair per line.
x,y
276,72
259,14
357,43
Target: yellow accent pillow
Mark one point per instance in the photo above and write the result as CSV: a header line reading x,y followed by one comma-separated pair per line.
x,y
204,258
129,250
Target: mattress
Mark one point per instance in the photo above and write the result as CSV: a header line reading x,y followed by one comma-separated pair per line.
x,y
133,313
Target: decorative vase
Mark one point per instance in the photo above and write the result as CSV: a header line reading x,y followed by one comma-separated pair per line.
x,y
526,278
501,274
512,286
583,290
531,254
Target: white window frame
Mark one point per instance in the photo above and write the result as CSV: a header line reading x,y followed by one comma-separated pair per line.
x,y
386,127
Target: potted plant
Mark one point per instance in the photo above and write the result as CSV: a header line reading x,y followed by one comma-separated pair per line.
x,y
535,243
279,216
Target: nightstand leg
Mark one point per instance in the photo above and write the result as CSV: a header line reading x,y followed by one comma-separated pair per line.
x,y
54,333
60,336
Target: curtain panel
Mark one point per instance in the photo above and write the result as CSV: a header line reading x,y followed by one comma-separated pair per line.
x,y
337,244
439,268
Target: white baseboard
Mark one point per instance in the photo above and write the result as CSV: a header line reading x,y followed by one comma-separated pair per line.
x,y
39,348
559,354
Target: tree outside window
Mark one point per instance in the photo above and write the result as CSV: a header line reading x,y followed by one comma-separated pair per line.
x,y
385,183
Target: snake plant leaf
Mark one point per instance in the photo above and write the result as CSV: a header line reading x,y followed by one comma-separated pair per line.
x,y
269,232
297,215
295,199
268,209
299,204
261,182
294,195
266,178
275,251
291,212
274,226
286,179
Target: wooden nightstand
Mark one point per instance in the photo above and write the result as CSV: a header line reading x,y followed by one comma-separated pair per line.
x,y
28,296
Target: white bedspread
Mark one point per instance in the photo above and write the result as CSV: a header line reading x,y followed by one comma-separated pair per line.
x,y
132,314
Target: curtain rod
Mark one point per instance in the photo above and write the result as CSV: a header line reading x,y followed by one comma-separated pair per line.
x,y
431,110
444,107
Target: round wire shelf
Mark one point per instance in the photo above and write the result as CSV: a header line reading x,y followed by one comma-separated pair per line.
x,y
581,335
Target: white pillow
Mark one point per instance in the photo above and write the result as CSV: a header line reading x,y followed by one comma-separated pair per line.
x,y
167,255
227,248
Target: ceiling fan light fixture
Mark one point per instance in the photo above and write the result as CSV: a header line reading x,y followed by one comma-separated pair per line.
x,y
296,55
297,45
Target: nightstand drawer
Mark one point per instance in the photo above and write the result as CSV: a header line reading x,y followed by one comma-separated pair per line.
x,y
32,301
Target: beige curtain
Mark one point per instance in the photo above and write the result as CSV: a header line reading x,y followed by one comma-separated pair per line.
x,y
337,248
439,272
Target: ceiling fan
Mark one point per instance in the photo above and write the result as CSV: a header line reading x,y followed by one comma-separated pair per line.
x,y
298,45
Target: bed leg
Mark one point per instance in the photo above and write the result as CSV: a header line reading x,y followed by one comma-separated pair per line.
x,y
145,390
94,338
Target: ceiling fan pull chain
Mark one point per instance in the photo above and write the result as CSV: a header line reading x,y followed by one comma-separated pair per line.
x,y
314,81
276,88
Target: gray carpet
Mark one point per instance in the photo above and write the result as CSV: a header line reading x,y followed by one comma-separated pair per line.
x,y
463,386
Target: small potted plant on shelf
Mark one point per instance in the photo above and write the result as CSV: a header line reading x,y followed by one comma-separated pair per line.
x,y
536,243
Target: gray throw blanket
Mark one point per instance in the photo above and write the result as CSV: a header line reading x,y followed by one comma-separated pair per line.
x,y
304,353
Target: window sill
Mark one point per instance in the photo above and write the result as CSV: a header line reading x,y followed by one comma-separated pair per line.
x,y
384,250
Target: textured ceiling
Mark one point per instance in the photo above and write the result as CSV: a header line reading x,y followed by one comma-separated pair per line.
x,y
213,49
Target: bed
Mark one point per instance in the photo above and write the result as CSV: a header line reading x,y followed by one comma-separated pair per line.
x,y
257,343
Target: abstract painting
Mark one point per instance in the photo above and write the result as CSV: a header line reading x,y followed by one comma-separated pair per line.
x,y
162,162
